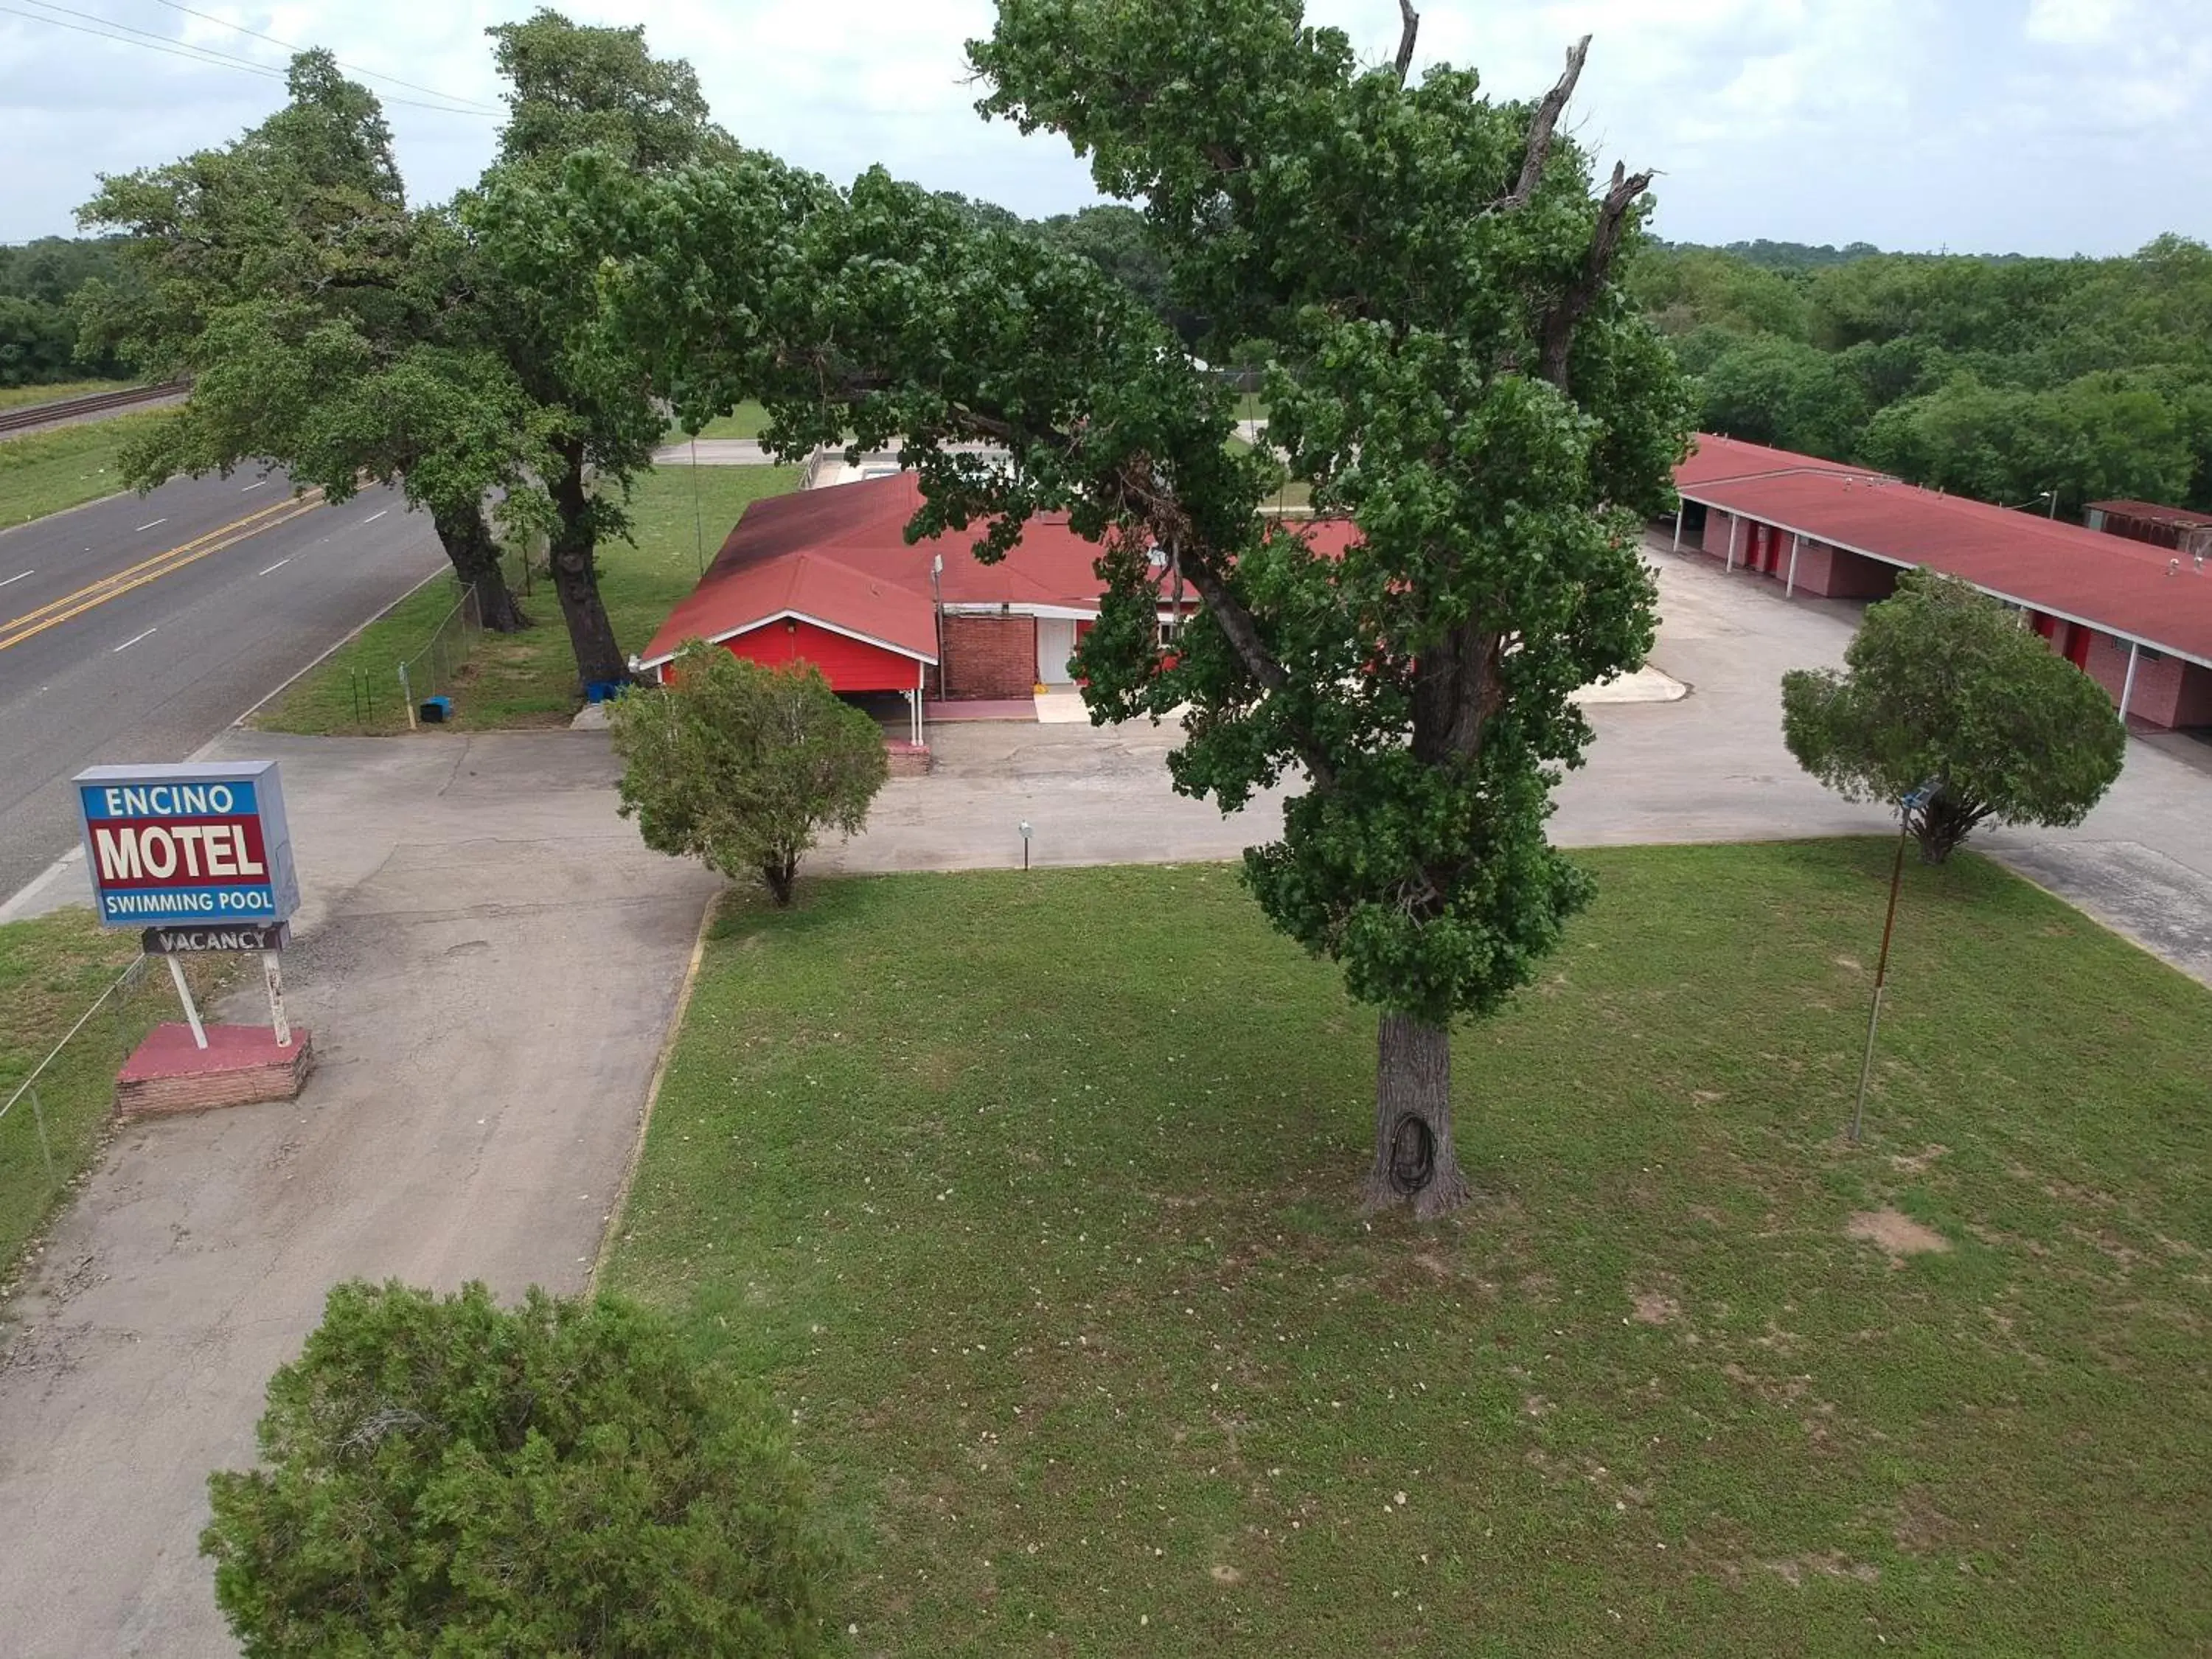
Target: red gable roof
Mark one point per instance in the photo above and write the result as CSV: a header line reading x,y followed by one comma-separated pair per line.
x,y
2121,586
838,555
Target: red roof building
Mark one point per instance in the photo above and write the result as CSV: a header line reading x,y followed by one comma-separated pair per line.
x,y
827,576
2136,617
2176,527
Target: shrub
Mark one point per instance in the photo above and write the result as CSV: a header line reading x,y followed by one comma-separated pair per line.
x,y
743,765
446,1476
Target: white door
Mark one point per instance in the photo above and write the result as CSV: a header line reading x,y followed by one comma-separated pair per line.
x,y
1056,638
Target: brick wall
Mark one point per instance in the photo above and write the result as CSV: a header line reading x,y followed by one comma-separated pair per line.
x,y
989,657
2167,692
1833,573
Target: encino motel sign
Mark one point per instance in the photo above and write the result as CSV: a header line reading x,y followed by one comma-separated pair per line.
x,y
187,843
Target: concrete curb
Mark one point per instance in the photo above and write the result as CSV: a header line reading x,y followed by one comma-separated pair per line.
x,y
609,1234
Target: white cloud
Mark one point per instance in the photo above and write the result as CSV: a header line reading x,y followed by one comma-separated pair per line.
x,y
2037,124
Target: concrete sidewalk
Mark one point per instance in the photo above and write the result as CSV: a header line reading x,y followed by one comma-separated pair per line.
x,y
489,958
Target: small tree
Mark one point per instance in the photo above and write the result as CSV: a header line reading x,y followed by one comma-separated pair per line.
x,y
449,1476
743,766
1944,684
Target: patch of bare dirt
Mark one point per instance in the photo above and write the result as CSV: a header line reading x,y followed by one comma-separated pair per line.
x,y
1896,1232
1653,1309
1832,1564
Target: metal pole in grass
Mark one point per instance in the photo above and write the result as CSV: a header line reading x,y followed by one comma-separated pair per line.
x,y
46,1151
1904,810
1025,843
698,520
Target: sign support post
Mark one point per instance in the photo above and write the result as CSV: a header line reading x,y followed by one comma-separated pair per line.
x,y
274,974
184,996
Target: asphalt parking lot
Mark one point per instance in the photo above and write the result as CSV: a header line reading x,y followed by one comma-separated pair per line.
x,y
1709,766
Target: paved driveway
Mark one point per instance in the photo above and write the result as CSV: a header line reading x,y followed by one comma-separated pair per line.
x,y
1709,768
488,958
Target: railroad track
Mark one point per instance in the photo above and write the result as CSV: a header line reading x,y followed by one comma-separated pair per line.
x,y
39,413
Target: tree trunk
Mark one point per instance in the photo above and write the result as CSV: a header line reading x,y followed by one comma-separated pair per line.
x,y
1415,1156
576,578
468,543
781,875
1942,825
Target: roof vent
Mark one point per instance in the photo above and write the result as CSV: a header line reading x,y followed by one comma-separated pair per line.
x,y
2173,566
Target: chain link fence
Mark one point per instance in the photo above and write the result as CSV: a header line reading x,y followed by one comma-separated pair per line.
x,y
55,1107
433,671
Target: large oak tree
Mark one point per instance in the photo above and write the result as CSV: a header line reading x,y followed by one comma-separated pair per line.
x,y
1455,368
329,327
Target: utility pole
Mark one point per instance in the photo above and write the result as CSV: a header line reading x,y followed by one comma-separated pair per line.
x,y
1905,808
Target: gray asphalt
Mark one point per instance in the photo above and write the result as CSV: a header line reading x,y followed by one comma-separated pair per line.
x,y
158,668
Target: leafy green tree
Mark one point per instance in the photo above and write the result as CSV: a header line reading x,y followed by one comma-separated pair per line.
x,y
1685,289
323,325
328,327
1768,389
442,1475
1943,684
2100,436
572,88
1456,370
743,766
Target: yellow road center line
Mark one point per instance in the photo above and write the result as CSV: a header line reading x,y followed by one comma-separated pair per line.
x,y
100,593
151,560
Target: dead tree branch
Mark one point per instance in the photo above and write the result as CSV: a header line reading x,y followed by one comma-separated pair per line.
x,y
1545,123
1560,323
1409,22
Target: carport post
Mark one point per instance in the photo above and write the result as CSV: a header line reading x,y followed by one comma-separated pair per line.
x,y
1789,587
1680,506
1735,523
2128,685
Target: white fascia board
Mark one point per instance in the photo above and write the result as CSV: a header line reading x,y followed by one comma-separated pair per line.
x,y
799,616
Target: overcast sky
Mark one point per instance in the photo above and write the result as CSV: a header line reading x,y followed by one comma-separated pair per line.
x,y
2041,126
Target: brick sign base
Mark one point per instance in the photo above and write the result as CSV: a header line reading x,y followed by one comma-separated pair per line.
x,y
240,1065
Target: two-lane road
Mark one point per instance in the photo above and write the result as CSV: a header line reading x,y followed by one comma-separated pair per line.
x,y
137,628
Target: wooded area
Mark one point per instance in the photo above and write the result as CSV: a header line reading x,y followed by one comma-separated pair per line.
x,y
1997,378
38,325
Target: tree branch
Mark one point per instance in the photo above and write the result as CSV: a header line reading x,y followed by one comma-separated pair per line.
x,y
1409,28
1547,120
1559,323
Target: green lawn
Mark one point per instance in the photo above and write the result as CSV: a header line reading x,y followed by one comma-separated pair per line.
x,y
743,422
530,678
44,472
1029,1195
52,969
19,396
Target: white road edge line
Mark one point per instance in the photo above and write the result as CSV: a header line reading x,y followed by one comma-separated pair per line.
x,y
279,565
19,576
374,516
256,484
149,526
135,638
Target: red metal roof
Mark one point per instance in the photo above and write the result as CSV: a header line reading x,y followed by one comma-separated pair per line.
x,y
818,589
838,555
2122,587
1714,459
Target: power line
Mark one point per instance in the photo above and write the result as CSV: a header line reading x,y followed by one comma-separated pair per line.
x,y
355,69
190,53
190,56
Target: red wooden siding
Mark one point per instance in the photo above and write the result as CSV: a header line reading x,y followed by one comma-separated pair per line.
x,y
849,665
